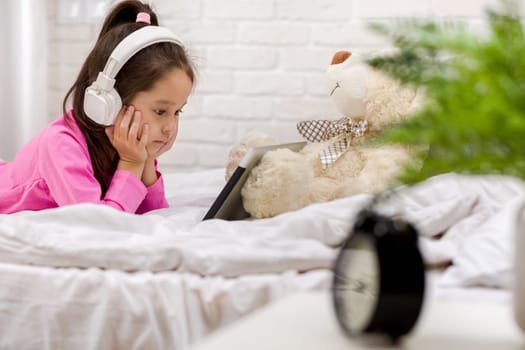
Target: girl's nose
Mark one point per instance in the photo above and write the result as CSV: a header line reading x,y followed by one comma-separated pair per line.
x,y
169,127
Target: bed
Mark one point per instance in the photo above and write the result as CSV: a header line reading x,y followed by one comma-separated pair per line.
x,y
90,277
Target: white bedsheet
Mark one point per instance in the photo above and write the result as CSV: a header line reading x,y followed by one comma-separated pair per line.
x,y
468,221
49,308
90,277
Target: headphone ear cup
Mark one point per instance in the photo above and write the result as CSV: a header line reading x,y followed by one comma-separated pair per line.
x,y
114,106
102,106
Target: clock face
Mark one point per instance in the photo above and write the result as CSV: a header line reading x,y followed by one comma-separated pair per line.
x,y
357,282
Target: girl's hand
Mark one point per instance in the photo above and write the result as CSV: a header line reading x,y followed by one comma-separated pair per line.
x,y
124,136
149,174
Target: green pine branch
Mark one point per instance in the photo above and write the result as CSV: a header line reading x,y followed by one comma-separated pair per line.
x,y
474,116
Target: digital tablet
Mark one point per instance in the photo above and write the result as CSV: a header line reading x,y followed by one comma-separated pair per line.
x,y
228,204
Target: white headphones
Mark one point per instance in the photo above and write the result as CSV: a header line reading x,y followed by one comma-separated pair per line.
x,y
102,102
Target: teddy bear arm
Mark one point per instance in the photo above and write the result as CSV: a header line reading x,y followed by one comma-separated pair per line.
x,y
280,183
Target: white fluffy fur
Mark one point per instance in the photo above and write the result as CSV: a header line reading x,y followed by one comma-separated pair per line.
x,y
265,197
238,152
286,180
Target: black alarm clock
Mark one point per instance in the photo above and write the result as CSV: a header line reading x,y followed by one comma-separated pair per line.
x,y
379,280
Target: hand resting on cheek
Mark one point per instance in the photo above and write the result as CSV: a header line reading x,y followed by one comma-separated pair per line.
x,y
130,140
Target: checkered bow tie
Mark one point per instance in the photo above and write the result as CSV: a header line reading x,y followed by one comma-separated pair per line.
x,y
343,130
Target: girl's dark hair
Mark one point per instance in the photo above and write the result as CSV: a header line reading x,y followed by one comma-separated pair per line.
x,y
138,74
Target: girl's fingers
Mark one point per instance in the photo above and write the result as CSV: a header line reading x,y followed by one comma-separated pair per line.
x,y
127,136
134,128
123,127
145,135
116,126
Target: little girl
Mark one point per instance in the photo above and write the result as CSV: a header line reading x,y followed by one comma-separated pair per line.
x,y
78,160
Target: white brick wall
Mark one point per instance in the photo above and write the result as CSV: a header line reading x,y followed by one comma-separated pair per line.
x,y
261,62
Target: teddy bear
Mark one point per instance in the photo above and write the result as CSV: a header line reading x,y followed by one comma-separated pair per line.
x,y
340,158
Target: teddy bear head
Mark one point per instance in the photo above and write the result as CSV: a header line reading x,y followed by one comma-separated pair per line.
x,y
363,93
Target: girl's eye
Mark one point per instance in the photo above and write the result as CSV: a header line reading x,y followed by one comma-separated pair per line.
x,y
159,111
179,112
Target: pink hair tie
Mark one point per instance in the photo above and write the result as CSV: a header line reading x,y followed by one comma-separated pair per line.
x,y
143,17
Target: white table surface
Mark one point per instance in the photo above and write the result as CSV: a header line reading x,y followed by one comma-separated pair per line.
x,y
307,321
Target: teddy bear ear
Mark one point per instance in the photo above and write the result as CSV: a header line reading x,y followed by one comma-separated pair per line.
x,y
340,57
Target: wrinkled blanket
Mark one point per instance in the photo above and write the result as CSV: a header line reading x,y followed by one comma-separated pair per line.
x,y
467,221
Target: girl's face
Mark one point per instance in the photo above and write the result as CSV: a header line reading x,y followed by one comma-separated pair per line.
x,y
160,108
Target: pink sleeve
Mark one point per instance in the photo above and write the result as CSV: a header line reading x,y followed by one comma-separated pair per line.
x,y
66,167
155,198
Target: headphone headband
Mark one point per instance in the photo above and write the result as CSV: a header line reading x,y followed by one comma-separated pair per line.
x,y
135,42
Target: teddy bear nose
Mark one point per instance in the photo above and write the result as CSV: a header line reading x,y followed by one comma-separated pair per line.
x,y
340,57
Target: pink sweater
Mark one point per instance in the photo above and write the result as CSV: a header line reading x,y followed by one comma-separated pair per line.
x,y
54,169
